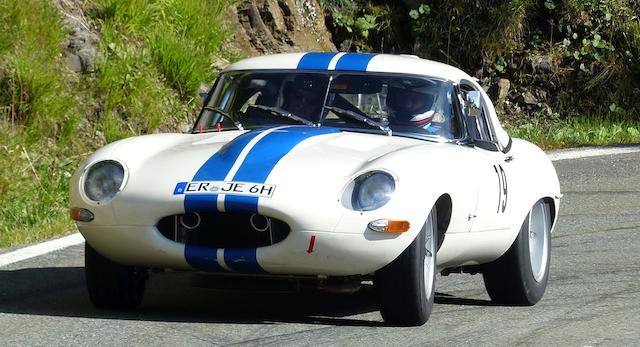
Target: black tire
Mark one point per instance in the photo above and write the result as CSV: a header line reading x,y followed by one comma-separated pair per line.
x,y
111,285
512,280
405,293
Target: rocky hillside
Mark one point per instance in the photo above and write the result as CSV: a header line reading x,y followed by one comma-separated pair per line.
x,y
270,26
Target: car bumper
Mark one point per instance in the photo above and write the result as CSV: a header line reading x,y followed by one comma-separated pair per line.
x,y
303,252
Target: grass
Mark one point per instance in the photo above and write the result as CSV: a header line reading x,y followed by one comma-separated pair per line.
x,y
155,56
40,113
579,132
30,85
33,189
152,57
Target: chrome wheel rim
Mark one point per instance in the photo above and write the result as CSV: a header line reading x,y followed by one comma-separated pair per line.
x,y
429,258
538,233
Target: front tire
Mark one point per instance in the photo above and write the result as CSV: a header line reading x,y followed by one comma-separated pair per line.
x,y
111,285
520,276
406,287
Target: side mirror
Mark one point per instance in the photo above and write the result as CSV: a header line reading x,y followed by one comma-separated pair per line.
x,y
474,122
473,104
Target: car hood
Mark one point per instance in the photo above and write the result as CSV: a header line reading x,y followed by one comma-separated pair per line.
x,y
309,168
272,156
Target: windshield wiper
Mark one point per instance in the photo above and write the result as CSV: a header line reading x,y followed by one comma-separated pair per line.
x,y
284,113
224,113
360,118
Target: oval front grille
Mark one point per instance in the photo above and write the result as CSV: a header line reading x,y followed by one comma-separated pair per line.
x,y
224,230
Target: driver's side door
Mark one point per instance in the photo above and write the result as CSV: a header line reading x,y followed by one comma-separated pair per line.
x,y
492,175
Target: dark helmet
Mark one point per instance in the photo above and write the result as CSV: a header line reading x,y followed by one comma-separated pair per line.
x,y
304,94
310,82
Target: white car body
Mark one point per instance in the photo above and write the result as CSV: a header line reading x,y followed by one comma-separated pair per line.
x,y
486,194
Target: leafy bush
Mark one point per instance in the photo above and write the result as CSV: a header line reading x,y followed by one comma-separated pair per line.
x,y
576,57
600,41
356,24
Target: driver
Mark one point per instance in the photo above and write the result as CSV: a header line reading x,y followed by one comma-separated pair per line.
x,y
304,96
415,106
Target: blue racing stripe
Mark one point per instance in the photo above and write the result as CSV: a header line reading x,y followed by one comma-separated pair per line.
x,y
240,204
263,157
256,167
354,61
202,258
215,169
315,61
242,260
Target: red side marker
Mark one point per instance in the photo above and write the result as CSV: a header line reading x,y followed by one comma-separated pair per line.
x,y
311,243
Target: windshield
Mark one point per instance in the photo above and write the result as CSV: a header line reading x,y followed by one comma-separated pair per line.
x,y
390,104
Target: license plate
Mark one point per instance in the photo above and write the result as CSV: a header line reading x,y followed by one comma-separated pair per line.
x,y
224,187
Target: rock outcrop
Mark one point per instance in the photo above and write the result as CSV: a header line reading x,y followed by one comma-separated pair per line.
x,y
275,26
82,40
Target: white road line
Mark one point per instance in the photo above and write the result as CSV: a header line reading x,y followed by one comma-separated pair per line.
x,y
40,249
591,152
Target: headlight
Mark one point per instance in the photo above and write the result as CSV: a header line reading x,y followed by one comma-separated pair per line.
x,y
372,190
103,180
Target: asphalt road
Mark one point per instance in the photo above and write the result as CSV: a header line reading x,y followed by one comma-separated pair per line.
x,y
593,296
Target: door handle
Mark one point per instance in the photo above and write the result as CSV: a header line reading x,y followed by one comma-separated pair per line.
x,y
508,158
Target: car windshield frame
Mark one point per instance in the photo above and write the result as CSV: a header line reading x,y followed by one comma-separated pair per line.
x,y
208,112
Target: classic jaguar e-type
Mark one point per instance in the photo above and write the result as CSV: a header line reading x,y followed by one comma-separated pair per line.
x,y
329,167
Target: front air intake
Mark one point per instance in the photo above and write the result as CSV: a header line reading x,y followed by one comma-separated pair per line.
x,y
223,230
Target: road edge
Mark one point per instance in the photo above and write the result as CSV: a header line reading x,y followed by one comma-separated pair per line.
x,y
39,249
565,154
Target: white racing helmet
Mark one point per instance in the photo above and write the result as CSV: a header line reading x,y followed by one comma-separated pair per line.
x,y
412,101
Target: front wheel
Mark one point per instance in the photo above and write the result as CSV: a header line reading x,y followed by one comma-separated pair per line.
x,y
406,287
520,276
111,285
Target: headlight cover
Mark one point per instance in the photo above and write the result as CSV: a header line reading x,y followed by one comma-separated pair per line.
x,y
372,190
103,180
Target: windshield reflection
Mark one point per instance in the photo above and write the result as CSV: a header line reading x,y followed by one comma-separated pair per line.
x,y
395,104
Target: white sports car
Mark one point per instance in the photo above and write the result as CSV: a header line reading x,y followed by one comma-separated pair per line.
x,y
332,167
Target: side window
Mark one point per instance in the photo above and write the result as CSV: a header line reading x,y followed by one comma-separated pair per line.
x,y
478,124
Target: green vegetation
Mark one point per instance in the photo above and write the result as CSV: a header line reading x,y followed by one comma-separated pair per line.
x,y
575,58
573,67
39,115
155,55
361,26
579,132
152,57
